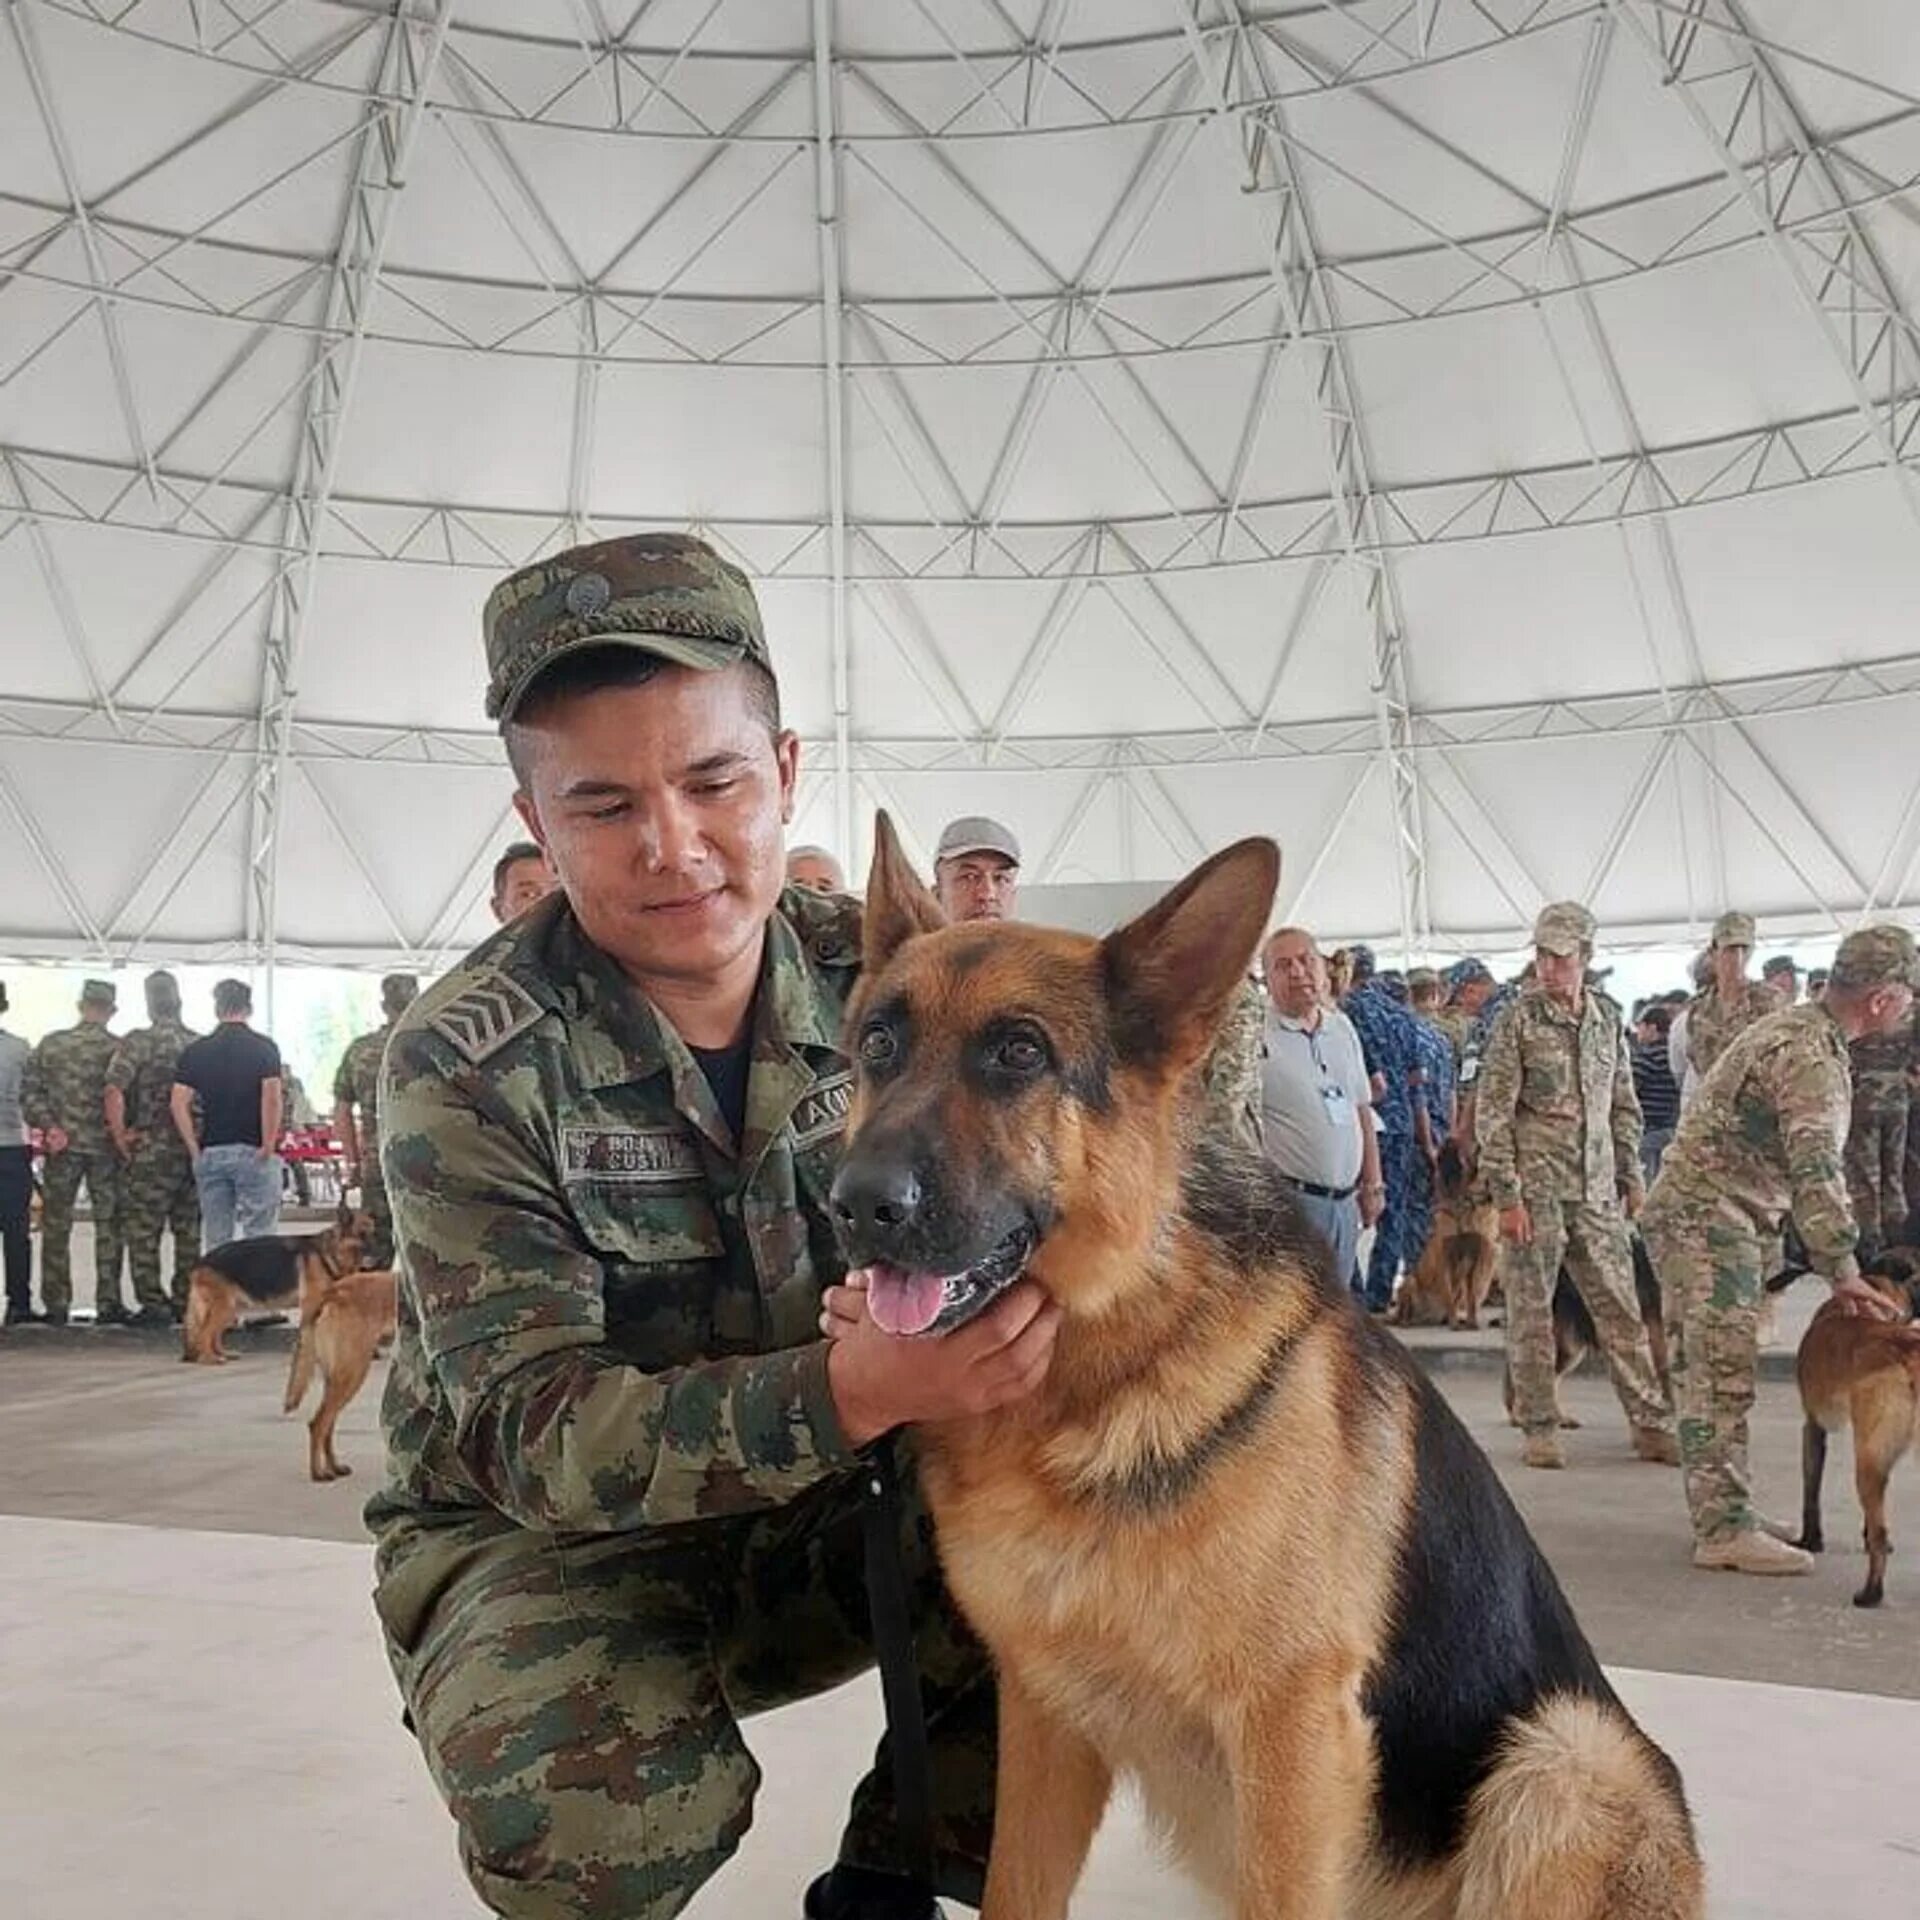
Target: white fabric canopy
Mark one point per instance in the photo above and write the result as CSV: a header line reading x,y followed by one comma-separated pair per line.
x,y
1471,440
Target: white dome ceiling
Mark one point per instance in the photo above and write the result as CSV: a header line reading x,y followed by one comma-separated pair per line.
x,y
1471,440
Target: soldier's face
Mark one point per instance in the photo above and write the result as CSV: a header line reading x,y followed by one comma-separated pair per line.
x,y
524,884
1560,974
660,807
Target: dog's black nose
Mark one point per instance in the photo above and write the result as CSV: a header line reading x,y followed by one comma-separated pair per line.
x,y
874,1201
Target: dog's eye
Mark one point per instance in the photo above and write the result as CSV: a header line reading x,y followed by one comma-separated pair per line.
x,y
878,1047
1019,1054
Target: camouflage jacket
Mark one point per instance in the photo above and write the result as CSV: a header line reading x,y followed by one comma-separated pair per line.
x,y
1879,1064
1231,1074
1457,1024
142,1068
1765,1135
66,1084
1713,1022
1555,1113
1434,1050
609,1307
1391,1049
356,1084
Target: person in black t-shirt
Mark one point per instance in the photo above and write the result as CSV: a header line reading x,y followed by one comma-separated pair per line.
x,y
234,1077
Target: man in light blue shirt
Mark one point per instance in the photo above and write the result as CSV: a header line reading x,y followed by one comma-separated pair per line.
x,y
1316,1108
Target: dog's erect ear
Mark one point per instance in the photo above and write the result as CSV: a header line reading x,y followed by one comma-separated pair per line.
x,y
898,906
1172,973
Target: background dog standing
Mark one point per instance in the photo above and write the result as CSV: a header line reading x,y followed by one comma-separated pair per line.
x,y
1235,1544
271,1271
1864,1374
342,1323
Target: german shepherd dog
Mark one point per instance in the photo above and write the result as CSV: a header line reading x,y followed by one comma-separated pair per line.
x,y
1863,1374
1454,1275
1234,1545
342,1323
271,1271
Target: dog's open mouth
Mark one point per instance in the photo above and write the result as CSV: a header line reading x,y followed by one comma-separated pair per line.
x,y
907,1301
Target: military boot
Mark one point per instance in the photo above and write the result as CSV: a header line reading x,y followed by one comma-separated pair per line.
x,y
859,1893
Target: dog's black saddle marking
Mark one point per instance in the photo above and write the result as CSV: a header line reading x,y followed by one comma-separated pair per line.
x,y
265,1268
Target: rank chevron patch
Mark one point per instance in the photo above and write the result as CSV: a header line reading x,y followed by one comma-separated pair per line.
x,y
480,1021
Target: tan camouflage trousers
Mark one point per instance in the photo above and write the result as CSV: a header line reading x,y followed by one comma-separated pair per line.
x,y
1592,1243
1711,1279
61,1178
579,1699
1876,1163
373,1197
158,1193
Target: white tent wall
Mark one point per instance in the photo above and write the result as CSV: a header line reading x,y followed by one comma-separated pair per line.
x,y
1473,442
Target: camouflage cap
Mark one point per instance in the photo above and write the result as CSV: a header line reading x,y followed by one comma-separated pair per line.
x,y
99,993
1465,972
1733,930
1564,928
1880,956
1780,963
667,594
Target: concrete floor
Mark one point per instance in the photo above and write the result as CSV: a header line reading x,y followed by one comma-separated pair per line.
x,y
199,1722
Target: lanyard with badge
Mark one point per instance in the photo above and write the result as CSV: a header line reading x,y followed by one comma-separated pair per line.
x,y
1335,1107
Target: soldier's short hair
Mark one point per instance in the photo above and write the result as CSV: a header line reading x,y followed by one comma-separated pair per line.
x,y
520,850
230,998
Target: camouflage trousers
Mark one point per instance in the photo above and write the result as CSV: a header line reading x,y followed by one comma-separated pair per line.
x,y
379,1250
1876,1163
1421,1197
1392,1242
60,1180
578,1697
1591,1241
157,1193
1711,1278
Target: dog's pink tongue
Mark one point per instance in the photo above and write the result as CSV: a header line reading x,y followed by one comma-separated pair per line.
x,y
903,1302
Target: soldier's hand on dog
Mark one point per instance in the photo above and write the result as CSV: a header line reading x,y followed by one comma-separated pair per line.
x,y
880,1382
1855,1296
1516,1224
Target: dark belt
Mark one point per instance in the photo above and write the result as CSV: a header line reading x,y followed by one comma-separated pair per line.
x,y
1318,1192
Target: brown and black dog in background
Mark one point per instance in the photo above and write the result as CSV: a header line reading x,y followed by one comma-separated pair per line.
x,y
1234,1545
1450,1283
342,1323
272,1271
1864,1374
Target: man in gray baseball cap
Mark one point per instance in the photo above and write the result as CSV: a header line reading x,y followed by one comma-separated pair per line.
x,y
976,869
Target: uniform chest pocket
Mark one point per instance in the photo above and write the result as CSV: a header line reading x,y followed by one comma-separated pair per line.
x,y
649,1226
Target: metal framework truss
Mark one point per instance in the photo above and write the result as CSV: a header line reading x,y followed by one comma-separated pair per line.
x,y
736,112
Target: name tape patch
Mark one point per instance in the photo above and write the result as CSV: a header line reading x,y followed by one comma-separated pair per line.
x,y
639,1156
823,1109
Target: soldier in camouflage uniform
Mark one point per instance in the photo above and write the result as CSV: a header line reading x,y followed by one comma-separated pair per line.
x,y
1761,1139
157,1187
65,1097
356,1113
1732,1002
1434,1051
1876,1159
1388,1041
1559,1131
623,1482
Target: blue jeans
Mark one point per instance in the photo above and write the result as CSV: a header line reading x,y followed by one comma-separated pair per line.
x,y
1337,1222
239,1194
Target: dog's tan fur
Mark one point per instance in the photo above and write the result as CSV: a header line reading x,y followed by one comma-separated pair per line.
x,y
1213,1637
1865,1375
215,1304
342,1324
1454,1274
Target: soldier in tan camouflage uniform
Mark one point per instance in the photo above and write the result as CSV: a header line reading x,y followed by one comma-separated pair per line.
x,y
157,1189
1732,1002
1762,1139
356,1113
1880,1065
624,1472
65,1097
1559,1136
